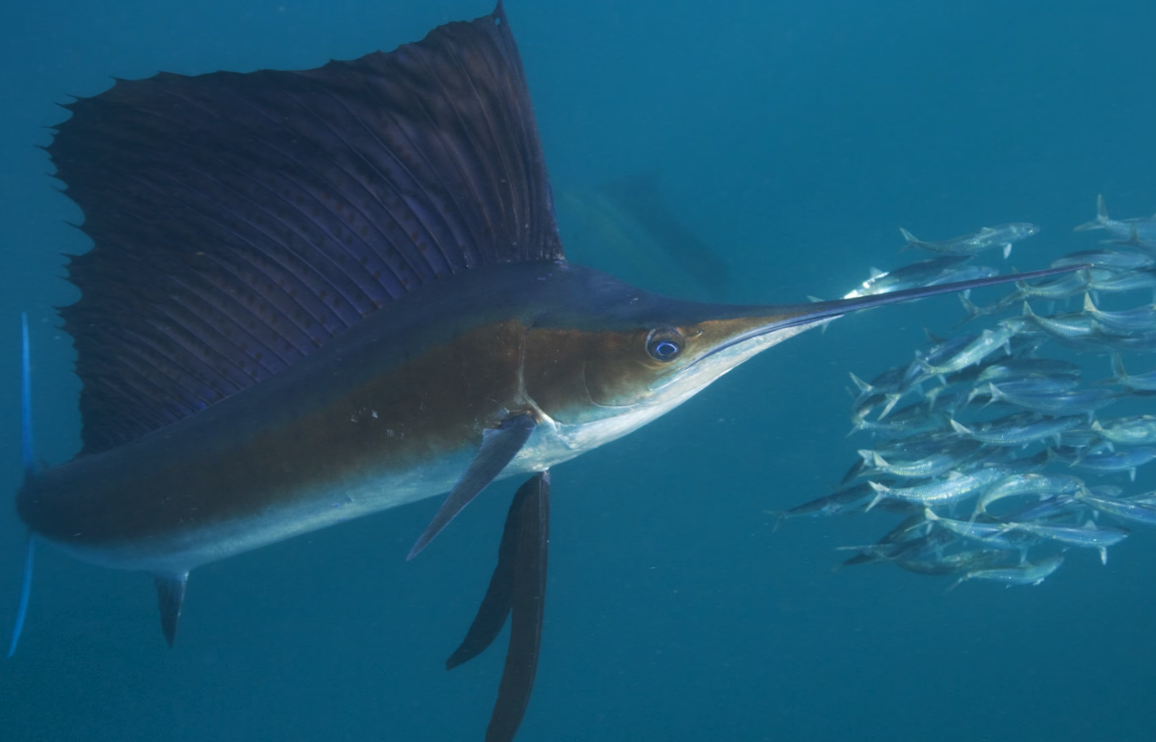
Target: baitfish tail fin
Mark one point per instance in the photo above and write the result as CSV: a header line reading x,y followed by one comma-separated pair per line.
x,y
912,241
28,459
1118,372
1101,217
499,446
171,599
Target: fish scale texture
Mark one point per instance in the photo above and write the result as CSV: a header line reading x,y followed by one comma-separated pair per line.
x,y
241,221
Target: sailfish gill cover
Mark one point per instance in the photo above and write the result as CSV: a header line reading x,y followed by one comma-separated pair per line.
x,y
241,221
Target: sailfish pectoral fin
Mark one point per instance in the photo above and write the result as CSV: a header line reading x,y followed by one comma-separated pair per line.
x,y
518,586
499,446
171,599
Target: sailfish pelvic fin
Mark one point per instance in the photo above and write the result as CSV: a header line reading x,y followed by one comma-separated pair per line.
x,y
517,586
499,446
171,599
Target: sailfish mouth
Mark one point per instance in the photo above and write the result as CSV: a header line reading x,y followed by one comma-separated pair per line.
x,y
773,319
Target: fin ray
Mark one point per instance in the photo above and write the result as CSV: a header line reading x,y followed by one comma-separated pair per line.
x,y
241,221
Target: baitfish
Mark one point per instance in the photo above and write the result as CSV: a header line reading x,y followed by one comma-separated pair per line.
x,y
963,561
1088,536
845,499
924,273
1027,573
322,294
955,486
1143,382
1130,431
1002,236
1139,319
1018,429
1128,231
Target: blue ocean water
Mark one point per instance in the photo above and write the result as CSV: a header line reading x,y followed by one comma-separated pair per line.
x,y
795,139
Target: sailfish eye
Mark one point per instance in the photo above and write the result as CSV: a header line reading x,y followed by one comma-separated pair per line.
x,y
664,343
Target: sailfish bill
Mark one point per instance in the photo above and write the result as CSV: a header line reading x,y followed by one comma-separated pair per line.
x,y
317,295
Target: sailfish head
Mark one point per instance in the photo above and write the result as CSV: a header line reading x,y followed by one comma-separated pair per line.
x,y
617,357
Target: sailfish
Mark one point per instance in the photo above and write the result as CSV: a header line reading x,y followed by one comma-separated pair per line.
x,y
316,295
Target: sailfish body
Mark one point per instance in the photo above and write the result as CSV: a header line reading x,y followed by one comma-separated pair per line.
x,y
317,295
391,411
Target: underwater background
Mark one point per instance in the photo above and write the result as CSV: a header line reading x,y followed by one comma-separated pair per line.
x,y
794,139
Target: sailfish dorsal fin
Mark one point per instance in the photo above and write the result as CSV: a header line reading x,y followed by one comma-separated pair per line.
x,y
240,221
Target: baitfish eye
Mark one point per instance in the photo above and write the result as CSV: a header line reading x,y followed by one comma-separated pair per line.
x,y
664,343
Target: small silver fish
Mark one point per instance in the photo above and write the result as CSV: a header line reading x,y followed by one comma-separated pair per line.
x,y
1145,382
1115,260
955,487
923,273
932,465
1114,461
989,342
898,549
1021,368
1135,430
1117,282
1027,573
1060,288
1140,319
832,504
1129,510
1087,536
950,564
1016,431
1084,402
1127,230
1038,485
986,238
968,529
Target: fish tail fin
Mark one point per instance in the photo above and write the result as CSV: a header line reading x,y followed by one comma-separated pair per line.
x,y
892,400
971,309
861,385
880,494
1118,372
996,394
1101,216
1089,305
780,518
912,242
960,428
